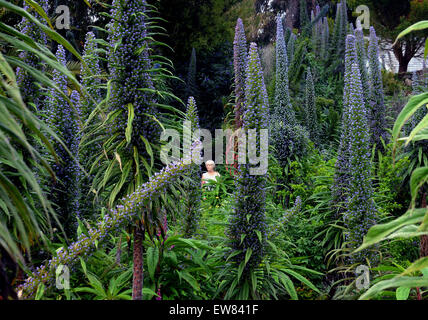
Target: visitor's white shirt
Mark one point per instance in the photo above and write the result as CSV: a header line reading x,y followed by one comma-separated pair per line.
x,y
207,176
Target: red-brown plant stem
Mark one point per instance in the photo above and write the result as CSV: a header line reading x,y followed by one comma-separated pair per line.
x,y
137,282
119,251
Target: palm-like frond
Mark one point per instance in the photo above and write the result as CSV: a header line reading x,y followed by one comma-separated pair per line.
x,y
22,221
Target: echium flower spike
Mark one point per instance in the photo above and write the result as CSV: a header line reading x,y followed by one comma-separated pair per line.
x,y
416,85
304,19
362,63
316,30
283,111
351,29
360,212
129,66
336,33
377,103
76,173
192,197
286,217
288,138
191,75
342,170
110,223
239,65
339,34
290,47
324,38
344,23
310,108
90,74
56,102
64,118
247,225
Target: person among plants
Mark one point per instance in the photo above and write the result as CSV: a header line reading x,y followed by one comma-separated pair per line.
x,y
211,174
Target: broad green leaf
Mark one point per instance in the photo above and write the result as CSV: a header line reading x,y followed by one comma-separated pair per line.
x,y
409,109
150,293
189,279
301,278
149,151
288,285
240,270
418,265
418,178
408,282
248,255
50,32
423,124
414,27
40,11
379,232
40,292
402,293
128,132
83,263
152,261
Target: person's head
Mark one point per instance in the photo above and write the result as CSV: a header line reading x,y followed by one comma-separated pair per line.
x,y
210,165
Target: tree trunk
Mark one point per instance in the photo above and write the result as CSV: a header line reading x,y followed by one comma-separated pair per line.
x,y
292,12
403,58
137,282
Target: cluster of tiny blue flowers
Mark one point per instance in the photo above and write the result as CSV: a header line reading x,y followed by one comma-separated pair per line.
x,y
351,29
129,65
74,140
343,26
361,211
288,138
290,47
310,108
247,223
316,30
325,35
353,186
342,169
362,63
192,183
239,65
283,111
111,222
377,103
90,72
90,75
65,120
292,212
339,32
